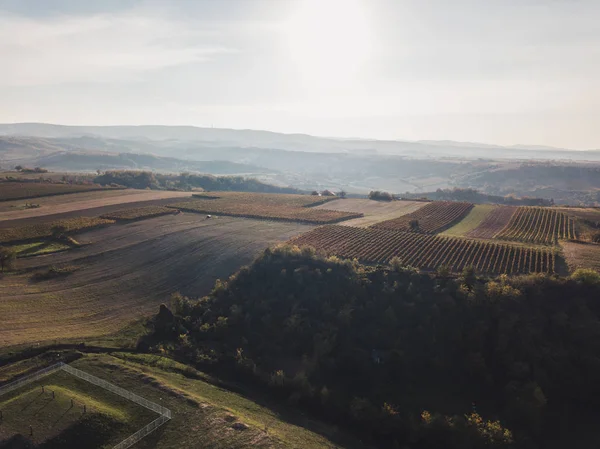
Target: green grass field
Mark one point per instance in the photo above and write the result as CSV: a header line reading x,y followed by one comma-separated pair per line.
x,y
204,414
54,408
471,221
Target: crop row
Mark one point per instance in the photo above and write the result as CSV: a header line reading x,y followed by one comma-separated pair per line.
x,y
430,219
428,252
21,190
139,213
538,225
44,230
268,211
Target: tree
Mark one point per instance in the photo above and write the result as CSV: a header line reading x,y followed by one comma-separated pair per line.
x,y
469,277
414,225
19,167
342,194
58,232
7,258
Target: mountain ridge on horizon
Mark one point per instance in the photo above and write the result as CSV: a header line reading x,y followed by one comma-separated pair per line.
x,y
195,133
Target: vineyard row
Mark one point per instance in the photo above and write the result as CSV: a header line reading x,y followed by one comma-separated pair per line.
x,y
428,252
430,219
539,225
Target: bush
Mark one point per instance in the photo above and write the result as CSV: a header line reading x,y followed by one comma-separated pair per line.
x,y
380,196
586,276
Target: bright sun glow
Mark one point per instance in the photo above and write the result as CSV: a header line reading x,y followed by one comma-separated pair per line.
x,y
329,39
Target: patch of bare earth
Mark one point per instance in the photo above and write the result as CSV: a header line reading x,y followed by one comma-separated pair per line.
x,y
374,211
581,255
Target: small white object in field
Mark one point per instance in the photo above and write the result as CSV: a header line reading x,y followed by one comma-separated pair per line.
x,y
209,216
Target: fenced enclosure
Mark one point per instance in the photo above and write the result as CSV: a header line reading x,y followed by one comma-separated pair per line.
x,y
165,413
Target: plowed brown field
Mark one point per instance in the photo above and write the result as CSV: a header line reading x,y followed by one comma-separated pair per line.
x,y
127,272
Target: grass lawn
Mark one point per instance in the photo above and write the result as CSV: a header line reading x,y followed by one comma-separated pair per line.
x,y
471,221
56,409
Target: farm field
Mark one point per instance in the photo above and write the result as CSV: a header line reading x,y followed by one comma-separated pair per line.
x,y
51,415
270,199
538,225
203,411
265,206
78,202
43,230
474,218
581,255
373,211
21,190
138,213
432,218
126,272
429,252
493,223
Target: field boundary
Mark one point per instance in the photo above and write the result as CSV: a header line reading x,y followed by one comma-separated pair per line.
x,y
165,413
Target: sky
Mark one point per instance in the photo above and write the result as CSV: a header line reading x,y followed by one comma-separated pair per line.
x,y
499,71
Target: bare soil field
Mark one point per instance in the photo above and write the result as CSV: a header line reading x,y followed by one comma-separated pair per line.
x,y
495,222
127,271
79,202
374,211
581,255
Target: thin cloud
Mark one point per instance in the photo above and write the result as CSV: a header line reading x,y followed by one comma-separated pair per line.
x,y
99,48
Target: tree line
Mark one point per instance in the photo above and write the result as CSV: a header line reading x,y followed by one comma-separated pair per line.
x,y
406,359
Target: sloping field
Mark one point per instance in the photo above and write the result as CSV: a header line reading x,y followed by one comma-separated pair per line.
x,y
20,190
591,214
266,206
139,213
128,271
63,204
429,251
473,219
44,230
538,225
581,255
432,218
373,211
271,199
205,414
58,408
493,223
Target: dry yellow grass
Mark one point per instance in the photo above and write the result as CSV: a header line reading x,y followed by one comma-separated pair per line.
x,y
581,255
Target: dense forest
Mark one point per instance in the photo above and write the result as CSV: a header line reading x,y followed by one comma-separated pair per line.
x,y
406,359
187,181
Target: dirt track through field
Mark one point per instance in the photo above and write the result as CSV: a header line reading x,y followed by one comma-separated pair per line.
x,y
127,271
374,211
63,204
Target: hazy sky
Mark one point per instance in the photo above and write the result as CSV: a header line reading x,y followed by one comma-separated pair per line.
x,y
497,71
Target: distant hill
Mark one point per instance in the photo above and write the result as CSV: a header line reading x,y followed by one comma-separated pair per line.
x,y
245,138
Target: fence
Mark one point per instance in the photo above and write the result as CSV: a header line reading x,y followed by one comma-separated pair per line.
x,y
118,390
165,413
7,388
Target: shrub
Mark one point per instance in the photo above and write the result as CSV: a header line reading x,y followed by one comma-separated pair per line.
x,y
586,276
380,196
